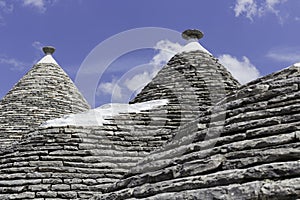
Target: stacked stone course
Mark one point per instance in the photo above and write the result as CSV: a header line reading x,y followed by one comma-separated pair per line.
x,y
78,162
45,92
192,81
254,154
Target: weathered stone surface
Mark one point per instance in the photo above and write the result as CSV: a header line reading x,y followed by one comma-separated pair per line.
x,y
213,140
67,195
192,81
60,187
257,190
44,93
48,194
250,151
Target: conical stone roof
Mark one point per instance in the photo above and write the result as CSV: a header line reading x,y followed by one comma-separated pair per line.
x,y
192,80
44,93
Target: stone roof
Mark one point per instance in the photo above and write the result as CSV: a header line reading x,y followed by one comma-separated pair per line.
x,y
79,162
251,153
214,139
191,80
45,92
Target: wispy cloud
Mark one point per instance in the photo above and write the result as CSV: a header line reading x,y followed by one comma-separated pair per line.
x,y
243,70
18,65
247,7
285,54
13,63
137,82
257,8
111,88
37,45
39,5
166,50
5,8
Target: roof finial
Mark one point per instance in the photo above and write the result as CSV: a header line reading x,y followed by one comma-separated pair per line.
x,y
48,50
193,34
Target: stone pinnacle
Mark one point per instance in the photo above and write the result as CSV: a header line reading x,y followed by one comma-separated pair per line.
x,y
192,34
48,50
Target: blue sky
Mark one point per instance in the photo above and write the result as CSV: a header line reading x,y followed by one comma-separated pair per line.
x,y
252,37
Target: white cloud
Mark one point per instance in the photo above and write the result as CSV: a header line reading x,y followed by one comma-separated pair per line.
x,y
247,7
110,88
5,8
166,50
15,64
38,51
37,45
40,5
243,70
137,82
256,8
272,3
12,63
285,54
